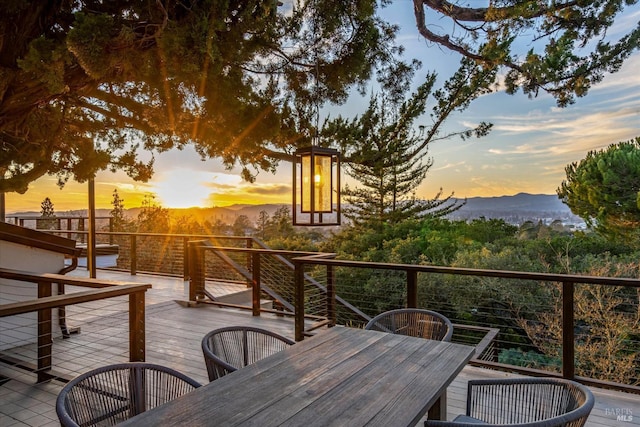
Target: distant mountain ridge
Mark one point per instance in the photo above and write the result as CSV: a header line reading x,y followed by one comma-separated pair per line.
x,y
518,202
516,208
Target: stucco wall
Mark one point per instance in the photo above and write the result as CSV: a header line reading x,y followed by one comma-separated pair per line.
x,y
16,331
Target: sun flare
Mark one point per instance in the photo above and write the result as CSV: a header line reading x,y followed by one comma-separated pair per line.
x,y
183,188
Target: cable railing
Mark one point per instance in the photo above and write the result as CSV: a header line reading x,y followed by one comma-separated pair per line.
x,y
74,226
66,322
536,323
565,330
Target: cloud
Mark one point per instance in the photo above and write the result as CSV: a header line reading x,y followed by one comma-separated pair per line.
x,y
564,132
623,23
501,167
269,189
624,79
448,166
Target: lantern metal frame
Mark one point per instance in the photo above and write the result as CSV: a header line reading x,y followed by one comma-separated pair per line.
x,y
310,204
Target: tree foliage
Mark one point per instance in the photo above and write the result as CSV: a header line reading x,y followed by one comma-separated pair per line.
x,y
527,312
241,225
608,319
568,48
604,189
119,221
85,85
153,218
46,208
385,153
47,219
278,232
261,224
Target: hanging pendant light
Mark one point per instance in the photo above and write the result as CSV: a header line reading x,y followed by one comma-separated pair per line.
x,y
316,179
316,186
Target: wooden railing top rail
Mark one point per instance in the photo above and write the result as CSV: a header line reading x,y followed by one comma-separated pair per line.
x,y
261,251
52,217
70,299
101,289
27,276
323,259
129,233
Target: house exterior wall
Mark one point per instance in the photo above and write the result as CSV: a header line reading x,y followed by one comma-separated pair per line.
x,y
20,330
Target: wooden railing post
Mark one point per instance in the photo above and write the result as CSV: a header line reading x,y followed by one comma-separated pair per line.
x,y
133,257
45,341
568,336
298,300
111,230
331,296
136,327
81,228
196,270
248,243
185,258
255,290
412,289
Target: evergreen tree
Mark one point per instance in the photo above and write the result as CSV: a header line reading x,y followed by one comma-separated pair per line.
x,y
81,80
262,223
280,224
47,215
152,217
46,208
604,190
241,225
560,47
385,154
118,220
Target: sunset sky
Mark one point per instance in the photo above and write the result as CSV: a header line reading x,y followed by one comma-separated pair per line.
x,y
531,143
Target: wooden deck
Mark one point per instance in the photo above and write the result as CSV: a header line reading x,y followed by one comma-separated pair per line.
x,y
173,335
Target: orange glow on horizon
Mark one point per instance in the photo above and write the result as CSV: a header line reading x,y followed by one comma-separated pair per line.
x,y
175,191
73,196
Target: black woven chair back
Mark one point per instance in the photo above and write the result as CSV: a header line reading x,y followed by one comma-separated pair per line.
x,y
413,322
112,394
524,402
227,349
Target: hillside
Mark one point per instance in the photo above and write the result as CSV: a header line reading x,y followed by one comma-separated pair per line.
x,y
514,209
518,208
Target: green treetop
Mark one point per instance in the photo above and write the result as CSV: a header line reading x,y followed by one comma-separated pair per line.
x,y
561,47
604,189
46,208
48,214
119,221
85,85
387,156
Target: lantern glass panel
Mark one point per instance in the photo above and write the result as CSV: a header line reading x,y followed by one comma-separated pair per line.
x,y
322,183
305,179
321,179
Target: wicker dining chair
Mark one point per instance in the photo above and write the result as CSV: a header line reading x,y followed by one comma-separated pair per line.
x,y
414,322
228,349
112,394
525,402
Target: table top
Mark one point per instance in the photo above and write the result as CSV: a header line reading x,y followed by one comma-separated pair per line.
x,y
341,376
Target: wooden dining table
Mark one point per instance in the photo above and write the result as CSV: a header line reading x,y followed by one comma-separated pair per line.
x,y
340,377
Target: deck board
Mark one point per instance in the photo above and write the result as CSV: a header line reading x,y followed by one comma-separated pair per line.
x,y
173,335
